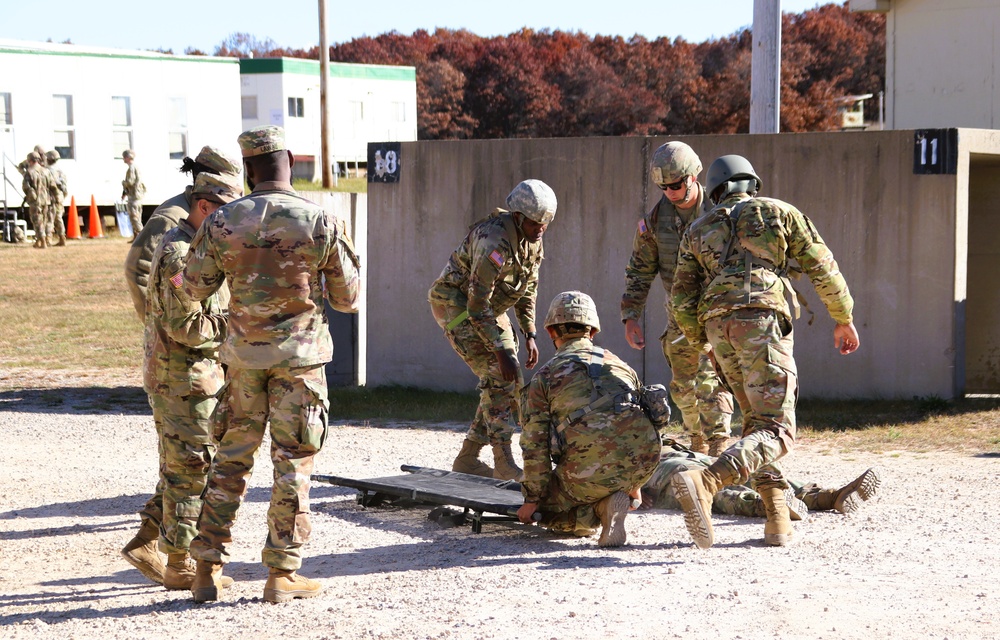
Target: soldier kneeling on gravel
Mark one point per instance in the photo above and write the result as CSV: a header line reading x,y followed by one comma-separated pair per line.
x,y
588,446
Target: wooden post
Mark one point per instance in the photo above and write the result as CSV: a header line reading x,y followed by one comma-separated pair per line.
x,y
765,67
324,111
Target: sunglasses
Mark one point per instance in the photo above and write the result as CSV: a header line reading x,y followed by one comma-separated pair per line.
x,y
675,186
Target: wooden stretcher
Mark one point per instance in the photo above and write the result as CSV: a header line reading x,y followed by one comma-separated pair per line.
x,y
476,495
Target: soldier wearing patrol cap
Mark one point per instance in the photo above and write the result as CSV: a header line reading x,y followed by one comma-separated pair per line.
x,y
588,446
495,268
37,188
281,256
60,189
133,189
695,386
182,376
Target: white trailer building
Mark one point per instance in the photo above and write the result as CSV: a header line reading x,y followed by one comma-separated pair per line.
x,y
90,104
368,103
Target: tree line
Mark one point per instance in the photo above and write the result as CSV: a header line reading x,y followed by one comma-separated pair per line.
x,y
554,84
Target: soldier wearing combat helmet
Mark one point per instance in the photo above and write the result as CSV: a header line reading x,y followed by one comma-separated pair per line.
x,y
37,188
59,192
495,268
695,386
588,446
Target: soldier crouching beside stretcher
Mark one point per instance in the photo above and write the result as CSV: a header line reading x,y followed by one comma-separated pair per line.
x,y
588,446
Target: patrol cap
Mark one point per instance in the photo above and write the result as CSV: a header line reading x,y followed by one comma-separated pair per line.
x,y
52,156
218,162
128,153
34,156
261,140
222,188
534,199
572,306
673,161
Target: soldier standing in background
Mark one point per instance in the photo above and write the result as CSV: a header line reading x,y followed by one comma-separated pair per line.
x,y
695,386
281,255
57,228
132,191
729,293
581,415
182,376
166,217
37,188
495,268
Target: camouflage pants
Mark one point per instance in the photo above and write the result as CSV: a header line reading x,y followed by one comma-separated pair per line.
x,y
135,215
39,220
754,350
293,403
188,447
695,386
733,500
152,511
497,412
56,226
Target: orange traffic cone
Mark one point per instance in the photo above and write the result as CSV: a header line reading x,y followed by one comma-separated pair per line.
x,y
94,226
73,221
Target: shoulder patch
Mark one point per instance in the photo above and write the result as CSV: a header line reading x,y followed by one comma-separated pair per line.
x,y
496,258
643,227
177,279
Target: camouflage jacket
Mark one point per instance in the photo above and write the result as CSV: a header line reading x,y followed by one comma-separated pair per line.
x,y
654,251
133,185
140,255
493,269
567,424
182,336
768,235
37,186
280,255
60,188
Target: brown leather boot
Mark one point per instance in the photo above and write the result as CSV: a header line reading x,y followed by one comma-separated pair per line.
x,y
506,467
694,491
208,581
718,445
181,570
698,443
778,528
468,460
797,509
282,586
141,552
612,511
62,241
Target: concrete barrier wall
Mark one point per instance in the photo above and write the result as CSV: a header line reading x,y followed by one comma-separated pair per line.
x,y
899,239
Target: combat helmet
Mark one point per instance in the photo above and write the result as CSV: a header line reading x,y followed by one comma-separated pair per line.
x,y
535,200
52,156
731,174
572,307
672,162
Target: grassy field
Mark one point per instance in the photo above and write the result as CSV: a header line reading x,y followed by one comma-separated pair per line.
x,y
68,308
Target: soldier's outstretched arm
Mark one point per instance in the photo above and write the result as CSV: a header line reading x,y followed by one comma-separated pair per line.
x,y
343,272
686,293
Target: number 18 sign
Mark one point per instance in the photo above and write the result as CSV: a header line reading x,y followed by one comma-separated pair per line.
x,y
383,162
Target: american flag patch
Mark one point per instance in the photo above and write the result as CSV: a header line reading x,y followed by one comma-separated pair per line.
x,y
642,225
497,258
177,280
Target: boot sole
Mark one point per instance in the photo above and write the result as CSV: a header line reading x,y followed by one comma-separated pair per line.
x,y
797,510
205,594
866,487
144,567
277,597
698,523
778,539
613,532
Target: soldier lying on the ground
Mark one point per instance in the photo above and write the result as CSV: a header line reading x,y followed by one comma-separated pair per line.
x,y
740,500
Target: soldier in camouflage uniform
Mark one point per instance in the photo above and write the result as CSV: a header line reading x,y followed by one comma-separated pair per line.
x,y
729,293
494,269
581,415
57,228
741,500
281,255
182,376
695,386
166,217
37,188
133,189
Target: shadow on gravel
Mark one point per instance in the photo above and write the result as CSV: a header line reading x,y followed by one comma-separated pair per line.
x,y
76,400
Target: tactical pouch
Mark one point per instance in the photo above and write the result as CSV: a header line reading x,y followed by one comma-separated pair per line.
x,y
655,402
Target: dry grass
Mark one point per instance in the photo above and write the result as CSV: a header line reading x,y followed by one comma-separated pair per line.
x,y
68,321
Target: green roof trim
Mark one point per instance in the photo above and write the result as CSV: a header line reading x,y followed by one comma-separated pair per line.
x,y
337,69
153,55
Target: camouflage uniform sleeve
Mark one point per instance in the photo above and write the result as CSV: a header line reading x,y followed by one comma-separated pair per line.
x,y
535,439
483,272
817,262
28,187
524,308
341,268
203,273
640,272
185,320
686,293
138,261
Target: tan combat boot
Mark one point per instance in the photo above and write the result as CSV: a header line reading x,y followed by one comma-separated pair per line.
x,y
506,467
142,554
848,498
282,586
698,443
778,528
62,241
797,509
612,511
208,581
181,570
468,460
718,445
694,491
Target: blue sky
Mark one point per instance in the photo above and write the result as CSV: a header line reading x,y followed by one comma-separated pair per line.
x,y
177,24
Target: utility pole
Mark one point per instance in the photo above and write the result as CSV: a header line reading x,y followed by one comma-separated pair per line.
x,y
324,111
765,67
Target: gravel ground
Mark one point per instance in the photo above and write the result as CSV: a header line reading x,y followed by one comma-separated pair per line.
x,y
78,460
